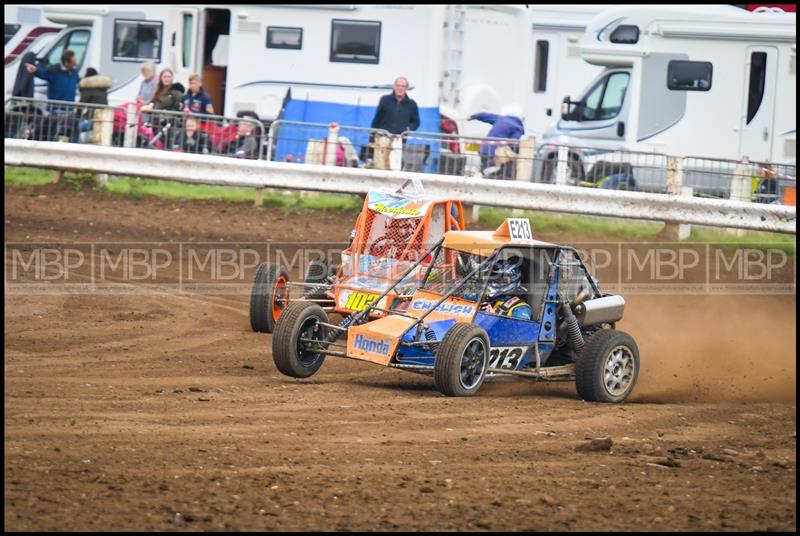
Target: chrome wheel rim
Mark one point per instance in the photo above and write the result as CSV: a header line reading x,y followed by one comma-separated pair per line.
x,y
618,370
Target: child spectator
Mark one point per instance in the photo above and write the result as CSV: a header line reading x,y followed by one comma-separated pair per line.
x,y
191,139
197,101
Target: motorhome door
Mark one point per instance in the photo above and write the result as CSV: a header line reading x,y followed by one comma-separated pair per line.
x,y
182,43
758,112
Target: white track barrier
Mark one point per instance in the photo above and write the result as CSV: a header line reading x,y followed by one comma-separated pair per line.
x,y
219,170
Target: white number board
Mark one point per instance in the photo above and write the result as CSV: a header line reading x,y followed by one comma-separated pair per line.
x,y
519,229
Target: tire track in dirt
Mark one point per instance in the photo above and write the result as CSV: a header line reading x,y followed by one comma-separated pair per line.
x,y
103,438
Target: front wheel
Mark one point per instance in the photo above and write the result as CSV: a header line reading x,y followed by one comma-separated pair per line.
x,y
462,360
268,296
608,367
293,341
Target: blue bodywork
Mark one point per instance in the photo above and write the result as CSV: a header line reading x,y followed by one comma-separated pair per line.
x,y
506,336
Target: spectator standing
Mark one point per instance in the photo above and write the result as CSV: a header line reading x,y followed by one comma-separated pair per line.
x,y
197,101
62,84
167,95
94,90
23,84
94,87
191,139
397,112
148,86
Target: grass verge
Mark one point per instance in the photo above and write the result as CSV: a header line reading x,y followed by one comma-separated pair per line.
x,y
542,222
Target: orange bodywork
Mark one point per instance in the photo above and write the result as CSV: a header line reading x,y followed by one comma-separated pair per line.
x,y
391,232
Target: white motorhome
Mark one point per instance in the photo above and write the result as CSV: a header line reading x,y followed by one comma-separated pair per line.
x,y
709,81
558,68
338,59
26,31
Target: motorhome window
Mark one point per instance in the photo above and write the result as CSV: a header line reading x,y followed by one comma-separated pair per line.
x,y
604,100
355,41
188,26
137,40
625,34
76,41
689,75
281,37
758,78
11,31
542,52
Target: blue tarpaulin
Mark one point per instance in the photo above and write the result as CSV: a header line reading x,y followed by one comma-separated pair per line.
x,y
292,139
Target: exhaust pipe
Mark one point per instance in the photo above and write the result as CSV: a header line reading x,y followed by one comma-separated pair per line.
x,y
608,309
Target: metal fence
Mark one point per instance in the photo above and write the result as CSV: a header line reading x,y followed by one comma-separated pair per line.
x,y
130,126
619,169
424,152
323,143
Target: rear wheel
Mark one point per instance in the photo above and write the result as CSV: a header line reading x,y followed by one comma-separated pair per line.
x,y
268,296
462,360
608,367
292,352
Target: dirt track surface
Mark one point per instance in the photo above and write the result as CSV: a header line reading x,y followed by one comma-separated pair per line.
x,y
162,410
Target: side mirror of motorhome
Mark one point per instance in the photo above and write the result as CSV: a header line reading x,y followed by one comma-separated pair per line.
x,y
566,108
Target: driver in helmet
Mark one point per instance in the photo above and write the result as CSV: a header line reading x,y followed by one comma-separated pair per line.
x,y
504,291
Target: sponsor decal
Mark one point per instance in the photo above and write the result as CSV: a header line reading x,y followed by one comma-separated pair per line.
x,y
373,346
358,301
383,209
452,308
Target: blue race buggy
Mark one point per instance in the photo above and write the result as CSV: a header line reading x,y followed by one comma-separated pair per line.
x,y
446,329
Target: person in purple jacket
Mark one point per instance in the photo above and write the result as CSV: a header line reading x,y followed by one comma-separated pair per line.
x,y
503,126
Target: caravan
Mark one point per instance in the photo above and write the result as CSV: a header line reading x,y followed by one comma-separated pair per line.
x,y
558,68
335,61
710,81
26,32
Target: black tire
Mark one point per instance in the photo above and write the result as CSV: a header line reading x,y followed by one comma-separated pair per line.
x,y
452,375
590,369
299,319
318,271
269,283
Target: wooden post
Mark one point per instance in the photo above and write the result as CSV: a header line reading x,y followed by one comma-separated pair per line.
x,y
259,197
131,126
475,214
676,230
59,173
524,164
103,130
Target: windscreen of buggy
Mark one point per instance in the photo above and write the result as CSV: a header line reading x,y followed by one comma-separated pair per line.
x,y
378,273
393,237
450,269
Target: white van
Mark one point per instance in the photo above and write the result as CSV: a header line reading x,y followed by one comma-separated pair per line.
x,y
708,81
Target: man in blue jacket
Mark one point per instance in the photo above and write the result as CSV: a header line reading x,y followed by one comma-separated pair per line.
x,y
397,112
62,84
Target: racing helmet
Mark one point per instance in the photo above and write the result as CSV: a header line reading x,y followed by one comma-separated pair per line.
x,y
504,278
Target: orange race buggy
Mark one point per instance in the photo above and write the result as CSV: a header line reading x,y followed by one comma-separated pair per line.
x,y
391,232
